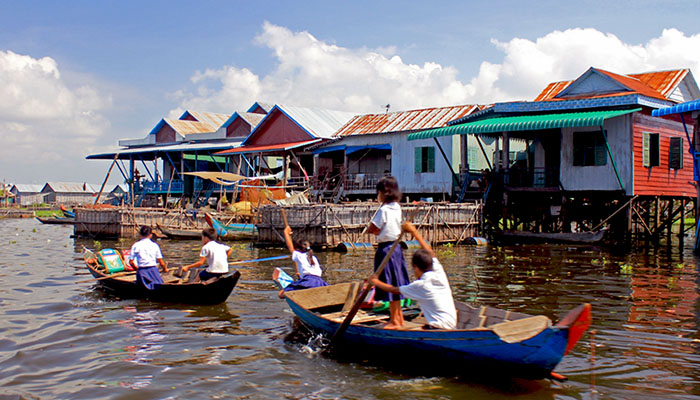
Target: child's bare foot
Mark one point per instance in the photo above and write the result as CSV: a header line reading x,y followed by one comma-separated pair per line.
x,y
392,326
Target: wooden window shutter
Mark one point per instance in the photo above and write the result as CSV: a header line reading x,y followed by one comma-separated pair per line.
x,y
646,139
418,159
675,153
431,159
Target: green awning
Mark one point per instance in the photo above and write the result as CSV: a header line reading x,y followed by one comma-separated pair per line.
x,y
524,123
201,157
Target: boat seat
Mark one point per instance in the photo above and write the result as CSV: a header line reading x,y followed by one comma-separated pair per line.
x,y
521,329
469,317
360,317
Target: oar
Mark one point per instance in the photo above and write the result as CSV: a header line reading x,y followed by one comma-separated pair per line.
x,y
259,260
361,298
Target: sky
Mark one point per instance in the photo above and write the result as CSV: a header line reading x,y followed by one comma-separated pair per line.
x,y
76,76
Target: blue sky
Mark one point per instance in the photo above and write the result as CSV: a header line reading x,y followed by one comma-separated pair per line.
x,y
124,65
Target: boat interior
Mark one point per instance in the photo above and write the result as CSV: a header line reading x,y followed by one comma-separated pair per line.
x,y
335,301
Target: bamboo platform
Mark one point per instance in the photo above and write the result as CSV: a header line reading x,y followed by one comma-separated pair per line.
x,y
126,222
329,225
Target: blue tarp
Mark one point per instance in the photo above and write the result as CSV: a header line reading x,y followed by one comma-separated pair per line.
x,y
352,149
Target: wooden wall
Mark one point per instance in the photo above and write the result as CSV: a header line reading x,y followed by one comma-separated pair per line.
x,y
278,128
661,180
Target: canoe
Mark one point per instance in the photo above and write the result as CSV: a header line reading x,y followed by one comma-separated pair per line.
x,y
66,212
173,290
231,231
486,338
183,234
541,237
56,220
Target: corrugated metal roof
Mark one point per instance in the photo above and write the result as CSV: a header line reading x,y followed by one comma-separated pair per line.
x,y
72,187
214,120
524,123
320,123
677,109
185,127
27,188
267,107
404,121
147,152
269,147
656,84
252,118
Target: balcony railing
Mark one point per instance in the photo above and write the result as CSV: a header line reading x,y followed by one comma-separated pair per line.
x,y
361,181
175,186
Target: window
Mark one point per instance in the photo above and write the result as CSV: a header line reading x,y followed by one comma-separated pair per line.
x,y
589,149
675,153
650,150
425,159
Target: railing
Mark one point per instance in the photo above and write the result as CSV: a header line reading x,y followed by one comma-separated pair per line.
x,y
175,185
361,181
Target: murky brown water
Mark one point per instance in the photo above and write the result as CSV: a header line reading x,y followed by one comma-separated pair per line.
x,y
64,340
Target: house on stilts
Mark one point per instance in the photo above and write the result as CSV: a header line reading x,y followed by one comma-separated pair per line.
x,y
594,155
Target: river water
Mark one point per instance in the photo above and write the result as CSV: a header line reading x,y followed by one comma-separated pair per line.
x,y
63,339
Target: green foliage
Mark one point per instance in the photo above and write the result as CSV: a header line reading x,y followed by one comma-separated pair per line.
x,y
626,269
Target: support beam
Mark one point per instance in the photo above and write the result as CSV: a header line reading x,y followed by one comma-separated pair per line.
x,y
483,151
172,164
612,159
455,178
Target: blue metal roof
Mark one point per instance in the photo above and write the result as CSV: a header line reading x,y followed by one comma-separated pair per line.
x,y
561,105
677,109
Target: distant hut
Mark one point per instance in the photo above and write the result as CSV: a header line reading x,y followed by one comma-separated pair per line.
x,y
26,195
69,193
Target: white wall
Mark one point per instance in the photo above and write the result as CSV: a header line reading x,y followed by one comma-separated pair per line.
x,y
599,177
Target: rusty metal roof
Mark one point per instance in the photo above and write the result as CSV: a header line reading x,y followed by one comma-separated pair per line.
x,y
253,119
405,121
656,84
215,120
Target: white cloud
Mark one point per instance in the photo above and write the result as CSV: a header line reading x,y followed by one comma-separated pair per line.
x,y
44,124
310,72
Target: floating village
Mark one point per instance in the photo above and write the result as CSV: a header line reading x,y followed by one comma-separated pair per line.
x,y
606,159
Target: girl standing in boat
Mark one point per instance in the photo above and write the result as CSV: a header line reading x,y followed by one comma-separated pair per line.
x,y
145,256
386,224
308,269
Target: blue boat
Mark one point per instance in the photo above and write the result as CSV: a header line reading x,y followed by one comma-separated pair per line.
x,y
231,231
486,338
67,212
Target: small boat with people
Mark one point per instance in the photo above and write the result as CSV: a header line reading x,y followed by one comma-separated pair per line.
x,y
109,269
231,231
486,338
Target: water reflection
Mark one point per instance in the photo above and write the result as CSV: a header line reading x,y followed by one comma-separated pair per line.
x,y
60,339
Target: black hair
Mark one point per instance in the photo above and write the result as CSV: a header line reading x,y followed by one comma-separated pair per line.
x,y
145,231
388,186
210,233
303,246
423,260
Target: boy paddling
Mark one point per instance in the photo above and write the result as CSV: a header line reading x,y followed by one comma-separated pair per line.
x,y
145,256
431,288
214,254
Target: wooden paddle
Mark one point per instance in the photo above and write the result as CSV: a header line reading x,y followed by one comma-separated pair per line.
x,y
361,298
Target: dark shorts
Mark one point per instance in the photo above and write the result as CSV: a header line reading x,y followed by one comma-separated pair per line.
x,y
395,272
205,275
149,277
307,282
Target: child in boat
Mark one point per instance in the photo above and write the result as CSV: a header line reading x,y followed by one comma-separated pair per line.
x,y
145,256
386,224
431,288
308,269
214,254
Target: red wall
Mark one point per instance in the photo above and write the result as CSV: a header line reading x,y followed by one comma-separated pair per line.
x,y
166,134
238,128
278,128
661,180
258,110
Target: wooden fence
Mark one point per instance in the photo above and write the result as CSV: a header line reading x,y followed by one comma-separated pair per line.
x,y
126,222
329,225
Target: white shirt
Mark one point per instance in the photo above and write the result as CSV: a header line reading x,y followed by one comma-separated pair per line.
x,y
304,267
434,295
217,258
145,253
388,221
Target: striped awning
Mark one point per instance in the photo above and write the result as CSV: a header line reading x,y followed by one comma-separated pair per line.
x,y
678,108
524,123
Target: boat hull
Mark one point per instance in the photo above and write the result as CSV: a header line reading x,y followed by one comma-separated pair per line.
x,y
467,350
187,293
232,231
538,237
56,221
182,234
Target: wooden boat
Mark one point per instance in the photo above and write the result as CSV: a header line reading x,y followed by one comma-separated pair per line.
x,y
541,237
66,212
56,220
486,338
173,290
231,231
183,234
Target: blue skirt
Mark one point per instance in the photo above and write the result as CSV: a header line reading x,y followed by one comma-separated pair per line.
x,y
307,282
395,272
149,277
